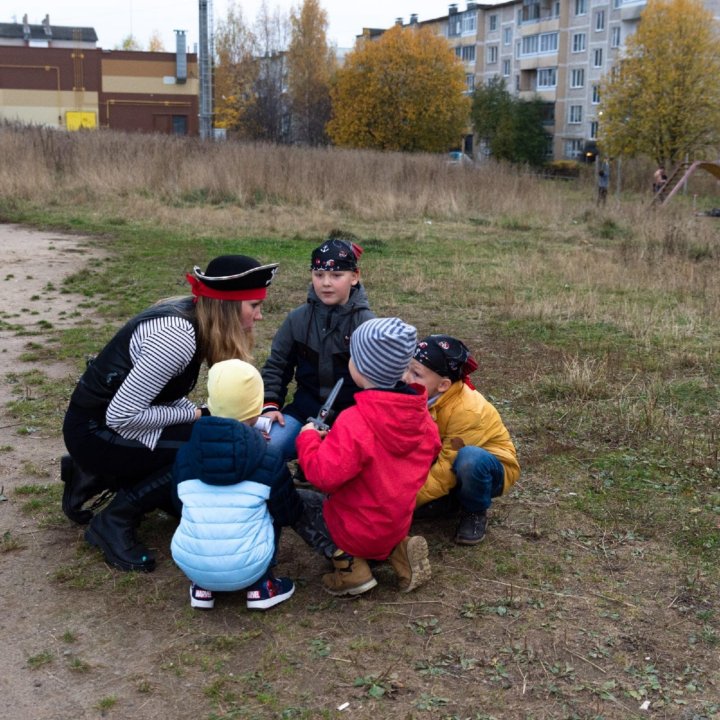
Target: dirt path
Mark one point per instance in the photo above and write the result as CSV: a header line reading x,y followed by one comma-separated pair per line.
x,y
43,625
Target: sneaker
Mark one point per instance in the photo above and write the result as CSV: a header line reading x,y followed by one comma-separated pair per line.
x,y
269,591
471,529
201,598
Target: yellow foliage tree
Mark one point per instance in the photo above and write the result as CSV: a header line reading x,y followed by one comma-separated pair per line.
x,y
401,92
663,99
311,65
235,71
155,44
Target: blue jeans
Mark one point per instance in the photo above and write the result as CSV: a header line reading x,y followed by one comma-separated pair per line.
x,y
480,477
284,437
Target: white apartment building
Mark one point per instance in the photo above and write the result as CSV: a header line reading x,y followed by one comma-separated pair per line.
x,y
558,50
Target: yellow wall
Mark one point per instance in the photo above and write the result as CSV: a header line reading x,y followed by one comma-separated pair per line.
x,y
140,76
46,107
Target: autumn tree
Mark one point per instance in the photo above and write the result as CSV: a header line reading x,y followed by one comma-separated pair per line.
x,y
311,66
269,116
403,91
130,42
511,128
663,98
155,44
235,72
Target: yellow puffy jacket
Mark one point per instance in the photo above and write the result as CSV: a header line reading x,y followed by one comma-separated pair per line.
x,y
465,417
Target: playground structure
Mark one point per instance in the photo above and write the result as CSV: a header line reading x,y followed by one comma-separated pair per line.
x,y
679,176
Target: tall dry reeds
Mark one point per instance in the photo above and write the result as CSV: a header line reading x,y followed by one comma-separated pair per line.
x,y
40,163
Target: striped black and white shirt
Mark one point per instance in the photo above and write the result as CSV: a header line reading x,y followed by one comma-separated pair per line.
x,y
160,349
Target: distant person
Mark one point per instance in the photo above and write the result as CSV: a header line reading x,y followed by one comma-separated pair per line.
x,y
235,493
370,466
129,412
603,182
312,346
659,179
478,460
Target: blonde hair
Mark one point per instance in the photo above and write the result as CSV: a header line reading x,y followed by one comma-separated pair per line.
x,y
221,335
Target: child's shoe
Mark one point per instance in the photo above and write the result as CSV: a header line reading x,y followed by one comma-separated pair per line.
x,y
269,591
201,598
352,575
410,561
471,529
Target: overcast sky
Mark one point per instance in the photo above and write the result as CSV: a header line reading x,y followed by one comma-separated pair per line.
x,y
114,20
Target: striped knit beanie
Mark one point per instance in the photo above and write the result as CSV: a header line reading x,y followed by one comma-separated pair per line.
x,y
382,350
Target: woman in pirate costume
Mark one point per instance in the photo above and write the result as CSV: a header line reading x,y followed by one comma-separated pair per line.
x,y
130,413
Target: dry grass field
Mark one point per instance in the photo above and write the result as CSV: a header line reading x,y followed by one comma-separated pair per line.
x,y
596,592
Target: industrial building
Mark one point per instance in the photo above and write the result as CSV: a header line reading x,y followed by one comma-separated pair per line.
x,y
58,77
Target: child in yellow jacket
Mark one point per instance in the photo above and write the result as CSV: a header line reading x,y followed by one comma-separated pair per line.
x,y
478,460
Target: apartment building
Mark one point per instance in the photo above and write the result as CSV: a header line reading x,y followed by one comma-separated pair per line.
x,y
557,50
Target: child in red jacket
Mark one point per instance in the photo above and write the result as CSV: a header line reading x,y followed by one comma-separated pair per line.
x,y
370,467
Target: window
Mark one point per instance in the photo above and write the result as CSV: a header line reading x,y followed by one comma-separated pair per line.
x,y
595,94
577,78
597,57
470,83
506,68
593,130
507,36
599,20
575,115
581,7
493,23
617,4
468,53
530,44
578,42
615,36
573,148
492,54
548,42
469,23
454,26
546,78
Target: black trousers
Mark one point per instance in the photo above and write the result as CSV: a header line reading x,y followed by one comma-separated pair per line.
x,y
124,463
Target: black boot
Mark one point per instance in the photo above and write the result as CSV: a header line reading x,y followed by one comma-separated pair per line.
x,y
471,529
113,529
79,488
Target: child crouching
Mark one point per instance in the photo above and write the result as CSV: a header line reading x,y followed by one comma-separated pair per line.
x,y
478,461
370,466
236,493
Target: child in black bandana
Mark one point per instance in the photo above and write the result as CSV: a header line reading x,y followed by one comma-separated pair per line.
x,y
312,345
478,460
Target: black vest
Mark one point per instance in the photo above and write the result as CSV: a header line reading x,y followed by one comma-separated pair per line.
x,y
105,373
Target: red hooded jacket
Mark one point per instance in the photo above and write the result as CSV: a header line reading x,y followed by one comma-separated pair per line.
x,y
372,464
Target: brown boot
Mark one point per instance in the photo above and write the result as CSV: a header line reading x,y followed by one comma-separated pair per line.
x,y
352,575
410,561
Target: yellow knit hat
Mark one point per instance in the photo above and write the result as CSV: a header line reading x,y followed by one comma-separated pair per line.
x,y
235,390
